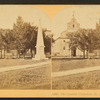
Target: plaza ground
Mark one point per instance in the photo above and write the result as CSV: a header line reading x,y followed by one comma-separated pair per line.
x,y
86,80
26,78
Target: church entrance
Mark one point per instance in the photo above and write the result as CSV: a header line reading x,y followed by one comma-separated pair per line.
x,y
73,52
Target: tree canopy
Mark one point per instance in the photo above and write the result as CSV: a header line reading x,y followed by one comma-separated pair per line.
x,y
23,36
85,39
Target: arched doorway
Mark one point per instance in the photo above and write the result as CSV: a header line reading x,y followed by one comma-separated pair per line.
x,y
73,52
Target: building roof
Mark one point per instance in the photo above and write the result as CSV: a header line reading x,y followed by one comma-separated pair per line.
x,y
64,34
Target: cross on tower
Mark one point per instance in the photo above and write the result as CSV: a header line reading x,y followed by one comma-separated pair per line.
x,y
73,13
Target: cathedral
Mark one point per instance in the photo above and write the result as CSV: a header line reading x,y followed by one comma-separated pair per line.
x,y
61,48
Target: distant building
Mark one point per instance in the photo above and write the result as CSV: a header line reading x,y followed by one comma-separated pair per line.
x,y
48,33
60,47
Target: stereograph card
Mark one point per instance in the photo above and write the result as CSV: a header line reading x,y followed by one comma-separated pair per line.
x,y
49,50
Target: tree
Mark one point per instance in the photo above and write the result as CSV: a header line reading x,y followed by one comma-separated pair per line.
x,y
25,36
97,36
1,43
9,39
18,35
47,41
30,35
6,40
83,39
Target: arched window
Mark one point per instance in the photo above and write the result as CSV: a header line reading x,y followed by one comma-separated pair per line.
x,y
63,48
73,25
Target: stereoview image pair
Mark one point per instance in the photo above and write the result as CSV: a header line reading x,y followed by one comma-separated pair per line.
x,y
39,53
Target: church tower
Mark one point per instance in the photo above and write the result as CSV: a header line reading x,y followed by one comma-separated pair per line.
x,y
73,25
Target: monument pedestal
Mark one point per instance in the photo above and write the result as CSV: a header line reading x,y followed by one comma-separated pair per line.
x,y
40,55
39,58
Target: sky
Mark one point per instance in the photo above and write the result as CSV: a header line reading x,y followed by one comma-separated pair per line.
x,y
86,15
9,14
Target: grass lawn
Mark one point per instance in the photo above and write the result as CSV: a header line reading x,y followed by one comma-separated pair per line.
x,y
88,80
62,65
29,78
15,62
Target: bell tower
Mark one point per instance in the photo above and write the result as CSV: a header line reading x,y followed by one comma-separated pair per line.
x,y
73,25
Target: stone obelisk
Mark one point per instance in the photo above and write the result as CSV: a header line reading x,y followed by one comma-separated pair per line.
x,y
40,55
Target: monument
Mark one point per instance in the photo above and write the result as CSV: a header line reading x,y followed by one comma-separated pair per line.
x,y
40,54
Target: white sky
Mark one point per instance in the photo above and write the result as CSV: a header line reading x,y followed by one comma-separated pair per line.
x,y
9,14
87,16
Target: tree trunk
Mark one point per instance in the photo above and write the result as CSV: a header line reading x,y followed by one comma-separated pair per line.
x,y
84,54
18,53
24,55
1,53
31,53
87,53
4,53
99,54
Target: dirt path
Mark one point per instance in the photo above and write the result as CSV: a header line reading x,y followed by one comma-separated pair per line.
x,y
75,71
37,65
